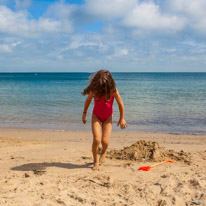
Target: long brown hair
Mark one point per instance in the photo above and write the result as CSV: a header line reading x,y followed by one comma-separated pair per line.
x,y
101,84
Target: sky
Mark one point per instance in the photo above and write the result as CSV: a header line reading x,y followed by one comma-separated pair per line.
x,y
88,35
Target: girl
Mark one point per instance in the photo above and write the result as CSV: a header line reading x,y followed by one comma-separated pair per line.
x,y
103,88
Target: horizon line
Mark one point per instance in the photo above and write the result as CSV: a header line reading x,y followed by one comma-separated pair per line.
x,y
97,70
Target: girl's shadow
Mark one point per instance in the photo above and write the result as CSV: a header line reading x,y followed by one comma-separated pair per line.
x,y
43,166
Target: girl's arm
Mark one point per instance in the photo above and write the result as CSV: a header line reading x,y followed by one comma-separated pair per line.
x,y
86,106
121,121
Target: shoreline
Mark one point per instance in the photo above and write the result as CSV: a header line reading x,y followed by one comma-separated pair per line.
x,y
87,131
121,138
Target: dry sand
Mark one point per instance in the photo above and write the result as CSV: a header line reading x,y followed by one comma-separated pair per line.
x,y
54,168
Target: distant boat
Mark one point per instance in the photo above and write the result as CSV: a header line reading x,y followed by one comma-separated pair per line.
x,y
35,74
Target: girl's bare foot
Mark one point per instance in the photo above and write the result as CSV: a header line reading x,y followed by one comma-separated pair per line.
x,y
96,166
102,158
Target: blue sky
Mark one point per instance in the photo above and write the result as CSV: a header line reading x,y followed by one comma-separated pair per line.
x,y
88,35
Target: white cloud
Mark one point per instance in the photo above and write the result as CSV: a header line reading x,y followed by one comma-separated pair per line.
x,y
60,10
194,11
17,23
78,44
135,14
148,16
23,4
109,8
5,48
46,25
120,52
7,45
60,57
63,13
194,8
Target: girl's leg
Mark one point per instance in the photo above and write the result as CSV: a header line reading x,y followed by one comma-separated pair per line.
x,y
96,130
106,133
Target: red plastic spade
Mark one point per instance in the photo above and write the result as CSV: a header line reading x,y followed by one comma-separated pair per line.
x,y
147,168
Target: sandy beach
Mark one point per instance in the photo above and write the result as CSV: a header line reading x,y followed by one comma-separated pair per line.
x,y
54,168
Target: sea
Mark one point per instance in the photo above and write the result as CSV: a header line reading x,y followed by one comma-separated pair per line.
x,y
154,102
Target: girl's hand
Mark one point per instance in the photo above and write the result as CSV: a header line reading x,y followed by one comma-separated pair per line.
x,y
122,123
84,118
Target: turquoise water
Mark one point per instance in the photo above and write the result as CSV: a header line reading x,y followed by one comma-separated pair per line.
x,y
154,102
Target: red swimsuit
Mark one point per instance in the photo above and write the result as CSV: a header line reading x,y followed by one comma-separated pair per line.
x,y
103,110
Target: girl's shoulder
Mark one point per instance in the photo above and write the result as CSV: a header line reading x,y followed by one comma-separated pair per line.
x,y
115,92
